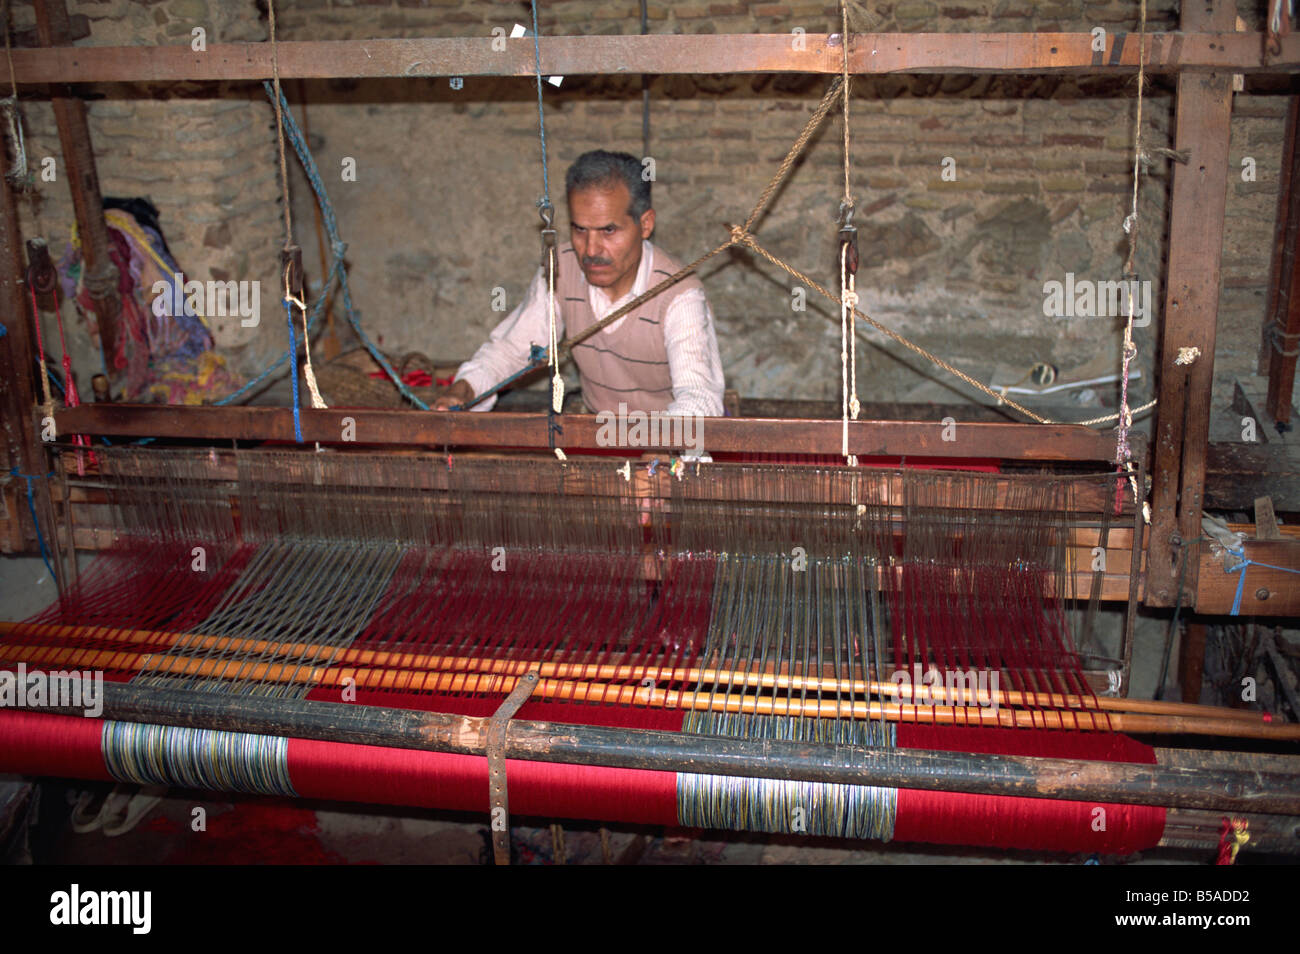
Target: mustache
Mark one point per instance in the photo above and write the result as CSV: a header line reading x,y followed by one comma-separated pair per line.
x,y
588,261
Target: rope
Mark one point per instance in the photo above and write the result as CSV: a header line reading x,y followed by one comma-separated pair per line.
x,y
290,299
293,372
846,80
31,508
547,212
741,235
541,116
279,129
40,350
823,108
848,299
750,242
1241,567
848,266
1123,451
337,272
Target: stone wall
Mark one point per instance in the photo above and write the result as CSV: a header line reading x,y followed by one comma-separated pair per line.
x,y
441,212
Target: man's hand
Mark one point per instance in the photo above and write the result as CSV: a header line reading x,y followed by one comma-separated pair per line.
x,y
458,393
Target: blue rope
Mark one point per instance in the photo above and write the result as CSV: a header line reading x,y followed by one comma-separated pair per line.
x,y
1241,583
293,373
31,507
541,116
337,272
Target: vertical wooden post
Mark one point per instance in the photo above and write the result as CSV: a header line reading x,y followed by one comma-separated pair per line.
x,y
1204,111
83,180
17,393
1191,661
1282,322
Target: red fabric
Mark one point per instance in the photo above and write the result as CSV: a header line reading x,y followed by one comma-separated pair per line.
x,y
1035,824
363,773
39,743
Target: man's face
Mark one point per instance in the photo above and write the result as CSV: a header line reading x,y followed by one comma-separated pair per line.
x,y
607,239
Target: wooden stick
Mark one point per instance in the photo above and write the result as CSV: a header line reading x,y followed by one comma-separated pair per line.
x,y
604,693
608,671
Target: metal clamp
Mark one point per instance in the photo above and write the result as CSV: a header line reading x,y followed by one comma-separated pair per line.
x,y
549,235
291,271
849,237
498,730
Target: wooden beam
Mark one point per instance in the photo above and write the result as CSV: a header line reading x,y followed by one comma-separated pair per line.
x,y
1282,322
1269,587
1200,189
18,427
1191,661
515,430
1236,474
661,53
100,274
1221,789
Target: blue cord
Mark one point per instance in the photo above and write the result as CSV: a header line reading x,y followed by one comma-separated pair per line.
x,y
293,373
31,506
337,272
1241,583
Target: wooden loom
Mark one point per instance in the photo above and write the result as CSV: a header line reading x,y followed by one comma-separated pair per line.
x,y
846,764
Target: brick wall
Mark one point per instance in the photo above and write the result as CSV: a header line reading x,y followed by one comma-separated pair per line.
x,y
442,209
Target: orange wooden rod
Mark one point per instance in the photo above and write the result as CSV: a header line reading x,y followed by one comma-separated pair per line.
x,y
342,678
609,671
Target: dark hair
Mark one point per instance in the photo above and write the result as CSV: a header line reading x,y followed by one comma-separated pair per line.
x,y
599,168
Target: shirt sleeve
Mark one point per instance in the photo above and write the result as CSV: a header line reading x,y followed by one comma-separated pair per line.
x,y
507,348
693,359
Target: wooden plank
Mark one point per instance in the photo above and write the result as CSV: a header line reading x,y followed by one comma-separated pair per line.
x,y
1191,304
870,53
1266,520
1266,592
435,430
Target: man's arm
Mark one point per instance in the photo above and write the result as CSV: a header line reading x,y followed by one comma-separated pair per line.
x,y
506,350
693,357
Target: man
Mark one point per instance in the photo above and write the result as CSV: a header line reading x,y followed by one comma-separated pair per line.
x,y
663,356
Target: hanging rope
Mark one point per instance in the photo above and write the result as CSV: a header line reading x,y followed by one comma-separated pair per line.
x,y
848,265
31,508
337,272
48,399
549,251
1123,451
294,294
279,128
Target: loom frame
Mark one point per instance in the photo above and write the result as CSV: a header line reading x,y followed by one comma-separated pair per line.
x,y
1201,55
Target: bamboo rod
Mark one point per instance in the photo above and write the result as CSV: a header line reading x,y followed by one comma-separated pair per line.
x,y
604,693
381,659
